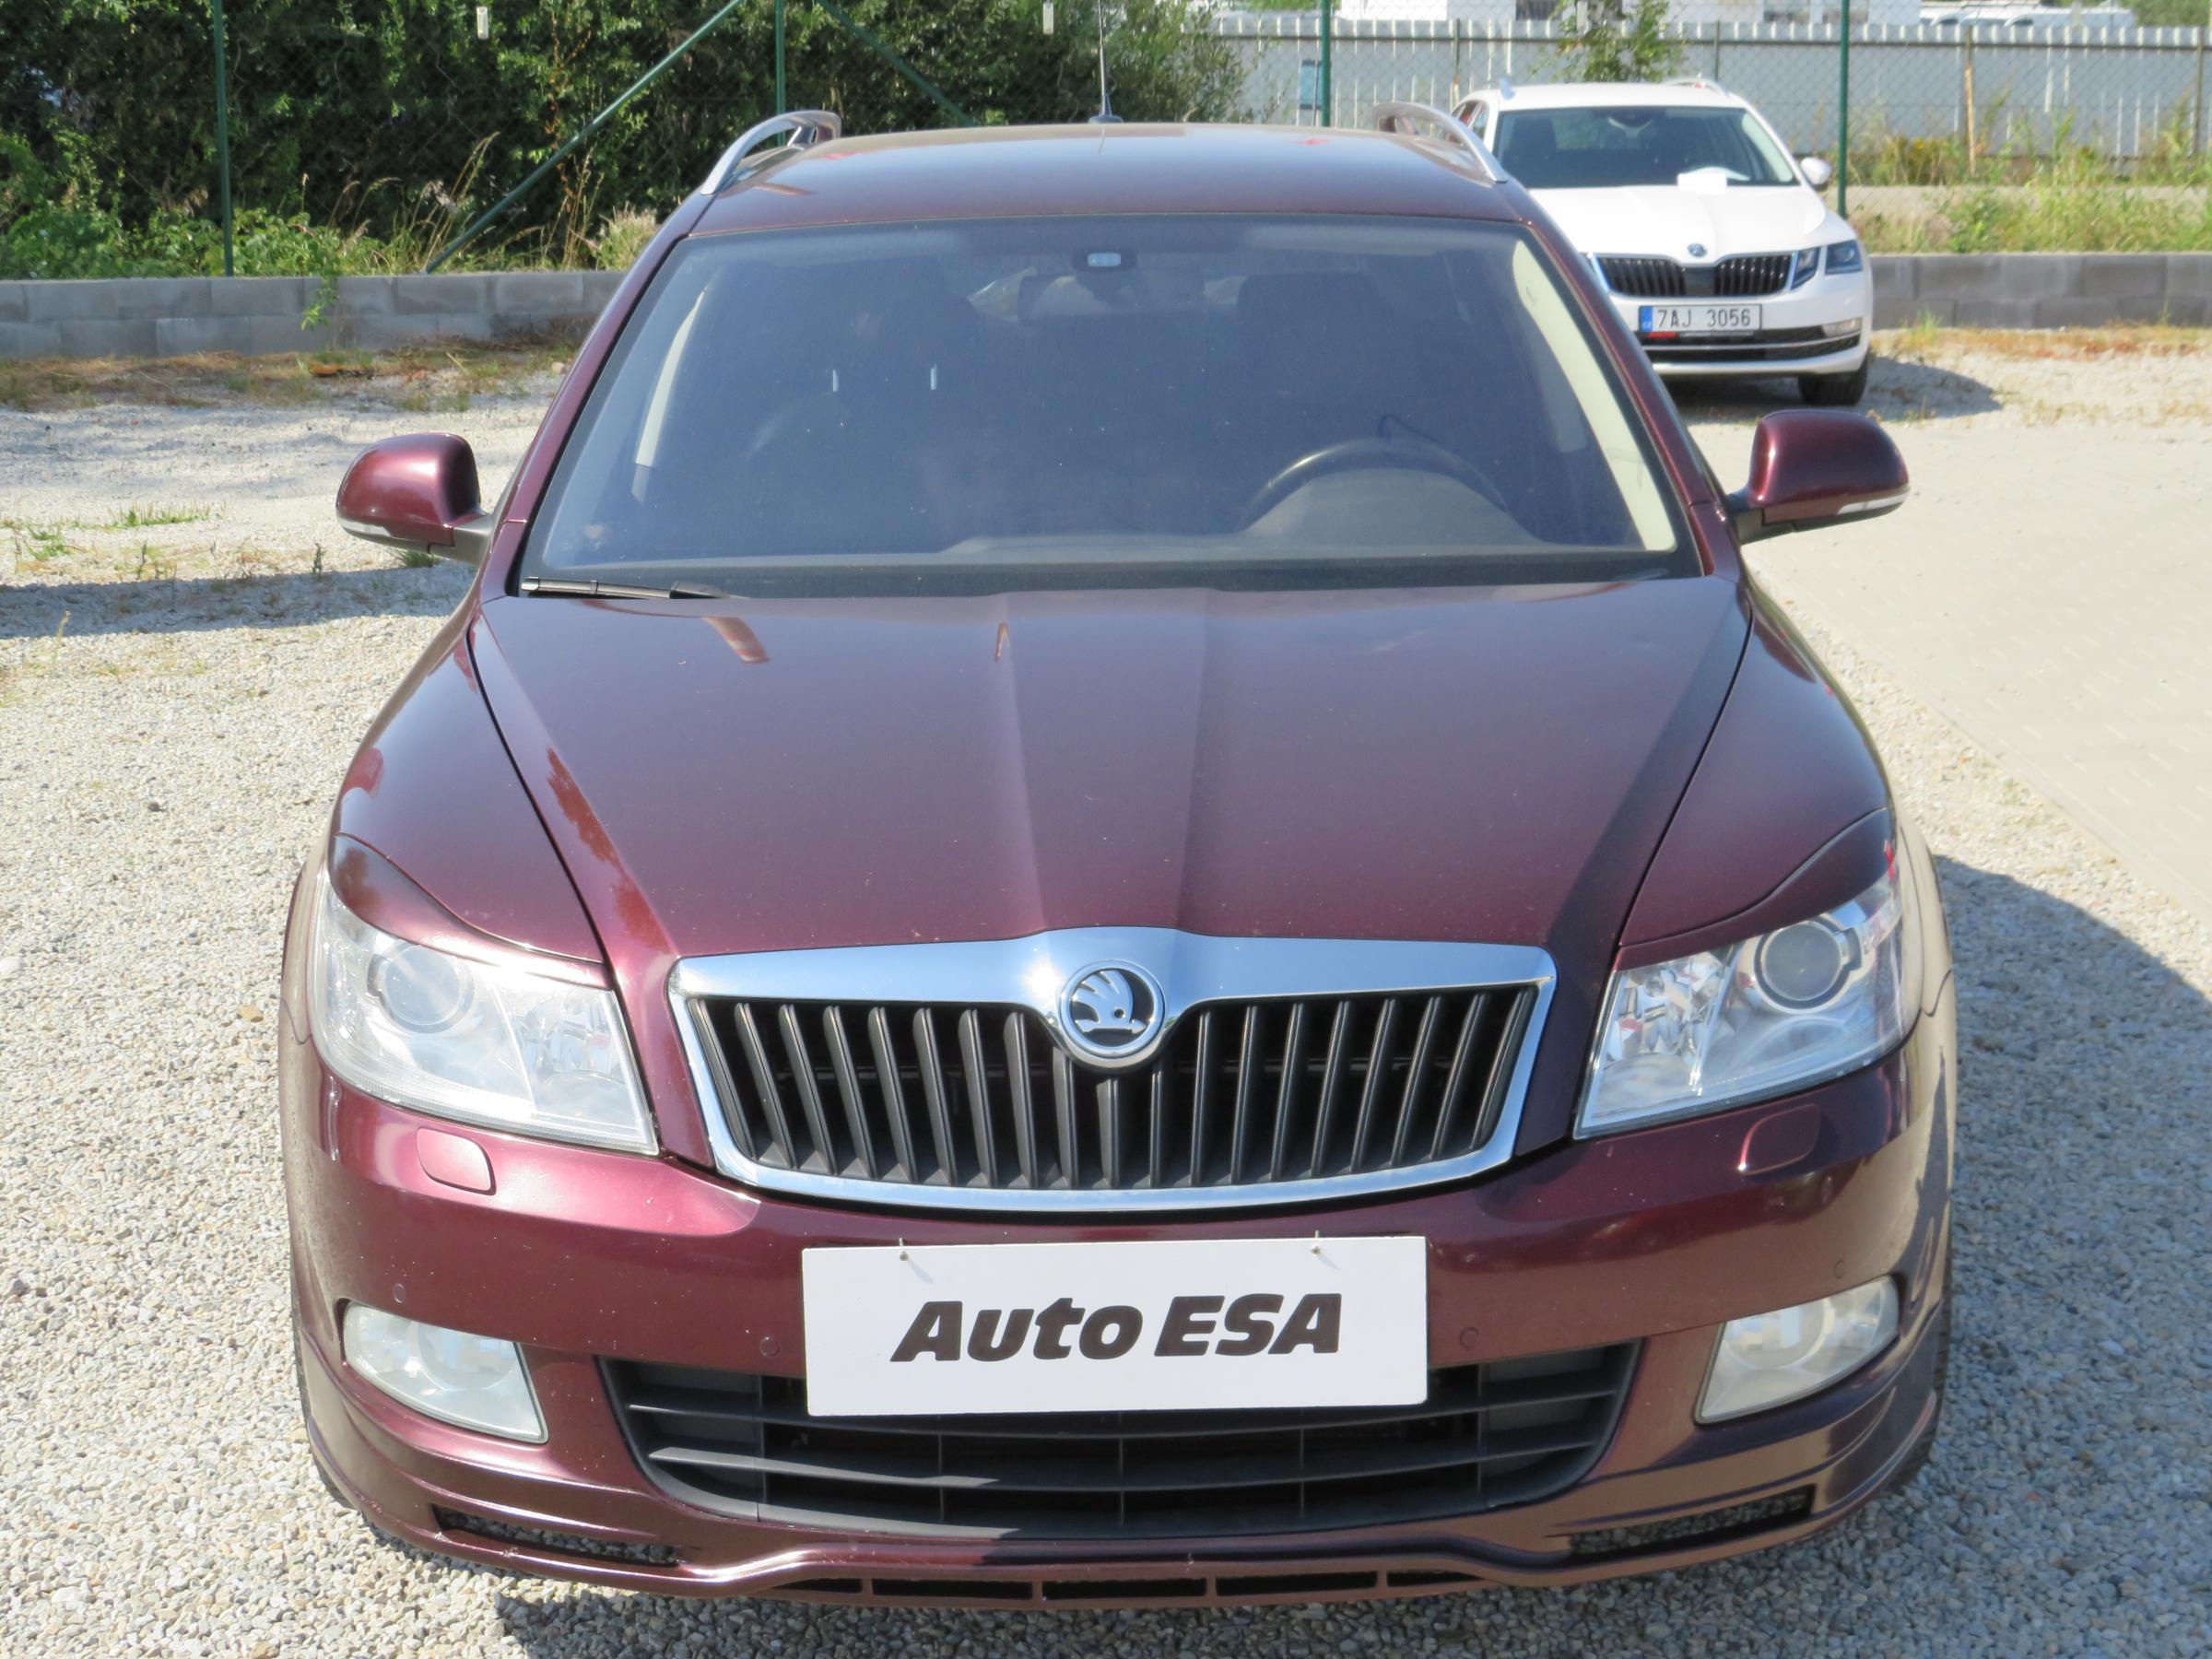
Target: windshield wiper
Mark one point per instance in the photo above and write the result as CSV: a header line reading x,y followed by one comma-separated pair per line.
x,y
596,588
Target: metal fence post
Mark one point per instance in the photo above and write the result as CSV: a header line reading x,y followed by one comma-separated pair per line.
x,y
222,131
2196,137
1843,120
781,105
1328,92
1966,94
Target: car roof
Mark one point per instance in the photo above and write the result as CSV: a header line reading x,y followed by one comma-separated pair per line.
x,y
1611,95
976,172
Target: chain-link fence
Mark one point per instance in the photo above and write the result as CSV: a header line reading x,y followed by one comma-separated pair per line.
x,y
351,127
2123,93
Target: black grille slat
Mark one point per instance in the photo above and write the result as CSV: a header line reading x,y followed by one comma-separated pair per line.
x,y
1375,1081
1739,276
936,1098
770,1096
1288,1113
1502,1432
1498,1084
890,1080
1022,1100
855,1105
977,1078
1248,1084
809,1087
1464,1053
1334,1065
1234,1094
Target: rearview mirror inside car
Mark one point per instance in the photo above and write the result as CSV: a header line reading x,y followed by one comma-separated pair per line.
x,y
418,493
1818,173
1811,468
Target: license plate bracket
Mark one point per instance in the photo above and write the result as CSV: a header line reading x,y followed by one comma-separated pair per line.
x,y
1698,318
1140,1325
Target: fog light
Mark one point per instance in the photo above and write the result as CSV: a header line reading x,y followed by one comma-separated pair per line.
x,y
1850,326
476,1381
1771,1358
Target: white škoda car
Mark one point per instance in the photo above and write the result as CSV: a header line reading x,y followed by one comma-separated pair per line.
x,y
1712,240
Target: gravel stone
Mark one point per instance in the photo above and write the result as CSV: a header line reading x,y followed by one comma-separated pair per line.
x,y
159,1498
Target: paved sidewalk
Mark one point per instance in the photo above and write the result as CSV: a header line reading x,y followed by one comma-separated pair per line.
x,y
2049,590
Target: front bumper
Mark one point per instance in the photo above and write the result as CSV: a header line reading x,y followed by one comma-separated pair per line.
x,y
1655,1237
1789,341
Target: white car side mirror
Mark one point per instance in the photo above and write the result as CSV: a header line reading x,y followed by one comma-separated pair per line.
x,y
1818,173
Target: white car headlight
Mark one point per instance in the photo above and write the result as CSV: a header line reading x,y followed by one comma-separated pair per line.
x,y
487,1045
1757,1018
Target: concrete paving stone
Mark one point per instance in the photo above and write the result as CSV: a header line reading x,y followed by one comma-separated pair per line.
x,y
58,301
188,337
438,296
359,296
2189,274
31,339
260,296
107,337
2128,274
537,293
2009,311
158,296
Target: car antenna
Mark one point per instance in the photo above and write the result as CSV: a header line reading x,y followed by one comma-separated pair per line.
x,y
1105,92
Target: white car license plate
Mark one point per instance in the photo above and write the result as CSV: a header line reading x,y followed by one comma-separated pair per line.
x,y
1165,1326
1697,319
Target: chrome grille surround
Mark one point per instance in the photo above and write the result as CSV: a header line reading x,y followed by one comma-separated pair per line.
x,y
1028,976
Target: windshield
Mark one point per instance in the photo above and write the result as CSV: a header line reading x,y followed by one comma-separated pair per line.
x,y
989,406
1607,149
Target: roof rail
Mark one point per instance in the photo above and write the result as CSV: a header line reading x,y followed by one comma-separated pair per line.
x,y
806,126
1409,119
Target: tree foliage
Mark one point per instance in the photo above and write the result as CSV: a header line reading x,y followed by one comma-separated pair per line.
x,y
1619,41
390,112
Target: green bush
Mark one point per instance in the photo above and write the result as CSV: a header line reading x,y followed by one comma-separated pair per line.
x,y
388,121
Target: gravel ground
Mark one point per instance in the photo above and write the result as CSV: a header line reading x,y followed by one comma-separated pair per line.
x,y
167,756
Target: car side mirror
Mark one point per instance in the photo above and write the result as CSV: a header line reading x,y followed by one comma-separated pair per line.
x,y
418,493
1818,173
1811,468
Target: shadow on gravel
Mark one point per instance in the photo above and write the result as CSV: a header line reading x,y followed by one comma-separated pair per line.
x,y
207,604
2080,1228
1897,390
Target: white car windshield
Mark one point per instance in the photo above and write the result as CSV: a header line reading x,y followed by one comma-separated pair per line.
x,y
1196,399
1607,148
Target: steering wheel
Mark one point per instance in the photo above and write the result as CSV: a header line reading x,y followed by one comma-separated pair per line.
x,y
1359,455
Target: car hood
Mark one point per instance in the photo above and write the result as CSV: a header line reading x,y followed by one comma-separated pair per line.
x,y
1489,765
1666,219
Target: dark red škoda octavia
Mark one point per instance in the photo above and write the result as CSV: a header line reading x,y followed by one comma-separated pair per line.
x,y
1113,893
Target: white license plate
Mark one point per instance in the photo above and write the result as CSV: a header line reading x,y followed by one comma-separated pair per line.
x,y
1697,319
1176,1324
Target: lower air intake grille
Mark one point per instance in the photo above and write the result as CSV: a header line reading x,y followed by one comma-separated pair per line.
x,y
1509,1431
1239,1094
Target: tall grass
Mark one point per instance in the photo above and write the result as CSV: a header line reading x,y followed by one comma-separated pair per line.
x,y
2070,198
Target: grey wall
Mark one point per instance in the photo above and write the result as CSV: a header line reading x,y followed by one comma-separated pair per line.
x,y
2042,290
178,316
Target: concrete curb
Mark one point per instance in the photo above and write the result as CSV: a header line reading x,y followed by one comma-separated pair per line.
x,y
178,316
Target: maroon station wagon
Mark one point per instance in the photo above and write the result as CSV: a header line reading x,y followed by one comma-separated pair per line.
x,y
1113,893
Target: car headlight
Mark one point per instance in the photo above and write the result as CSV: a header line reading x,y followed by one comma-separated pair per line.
x,y
463,1040
1775,1012
1845,256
